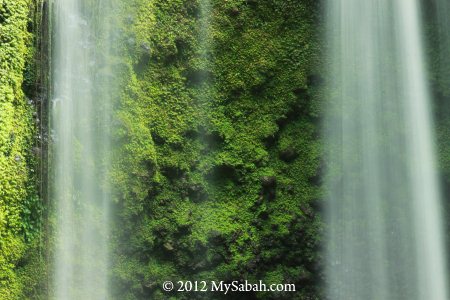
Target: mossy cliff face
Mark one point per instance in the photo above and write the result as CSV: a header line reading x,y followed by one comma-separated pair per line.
x,y
217,165
18,198
438,41
217,174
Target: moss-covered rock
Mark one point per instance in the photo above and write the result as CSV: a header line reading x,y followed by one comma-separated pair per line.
x,y
18,198
217,174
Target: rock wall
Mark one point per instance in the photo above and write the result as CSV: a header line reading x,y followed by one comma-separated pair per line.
x,y
218,170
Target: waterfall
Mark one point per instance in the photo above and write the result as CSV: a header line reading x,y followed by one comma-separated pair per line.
x,y
80,114
384,237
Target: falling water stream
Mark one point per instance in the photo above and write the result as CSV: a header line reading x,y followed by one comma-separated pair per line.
x,y
79,123
385,238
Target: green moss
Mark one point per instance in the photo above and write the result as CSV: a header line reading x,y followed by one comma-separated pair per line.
x,y
17,174
217,174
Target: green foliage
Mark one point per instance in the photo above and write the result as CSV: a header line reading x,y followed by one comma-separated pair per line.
x,y
17,186
218,166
